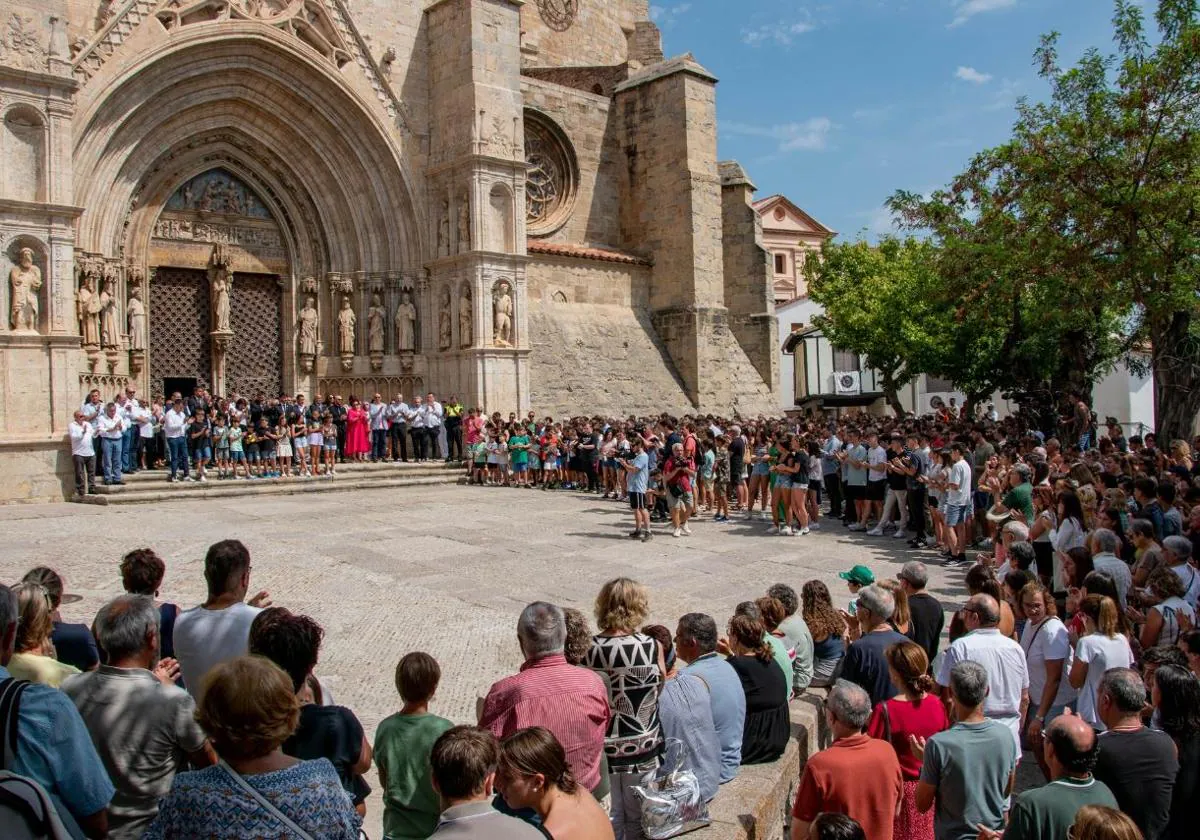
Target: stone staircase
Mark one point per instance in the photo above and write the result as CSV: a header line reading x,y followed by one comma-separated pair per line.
x,y
150,486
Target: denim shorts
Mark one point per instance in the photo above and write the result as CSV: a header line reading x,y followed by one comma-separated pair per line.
x,y
520,468
202,453
238,457
956,514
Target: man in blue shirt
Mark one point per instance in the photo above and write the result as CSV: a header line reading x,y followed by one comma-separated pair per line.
x,y
637,482
53,745
696,643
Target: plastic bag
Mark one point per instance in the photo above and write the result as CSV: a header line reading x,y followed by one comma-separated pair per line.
x,y
670,797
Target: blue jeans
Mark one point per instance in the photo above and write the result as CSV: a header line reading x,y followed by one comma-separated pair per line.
x,y
128,449
179,455
110,450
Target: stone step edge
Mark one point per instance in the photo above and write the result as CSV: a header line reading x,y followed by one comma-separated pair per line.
x,y
216,491
158,478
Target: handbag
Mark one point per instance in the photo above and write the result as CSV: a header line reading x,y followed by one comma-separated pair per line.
x,y
264,802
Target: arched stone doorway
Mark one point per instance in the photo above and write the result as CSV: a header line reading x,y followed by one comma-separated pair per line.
x,y
311,195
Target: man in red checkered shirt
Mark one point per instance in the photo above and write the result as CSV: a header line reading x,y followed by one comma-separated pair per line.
x,y
569,701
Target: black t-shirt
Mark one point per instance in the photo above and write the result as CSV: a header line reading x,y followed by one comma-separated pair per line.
x,y
1139,767
331,732
1185,801
925,622
737,450
865,664
895,480
74,645
204,438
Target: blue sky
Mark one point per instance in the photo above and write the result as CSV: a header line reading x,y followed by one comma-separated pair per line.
x,y
838,103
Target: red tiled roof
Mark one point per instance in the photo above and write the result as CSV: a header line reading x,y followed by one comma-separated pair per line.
x,y
555,249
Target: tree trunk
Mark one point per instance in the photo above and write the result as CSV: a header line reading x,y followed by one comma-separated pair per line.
x,y
891,394
1175,355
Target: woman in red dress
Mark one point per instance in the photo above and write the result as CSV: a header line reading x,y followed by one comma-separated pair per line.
x,y
357,437
913,711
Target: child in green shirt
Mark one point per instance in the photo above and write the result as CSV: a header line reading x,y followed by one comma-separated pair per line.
x,y
403,743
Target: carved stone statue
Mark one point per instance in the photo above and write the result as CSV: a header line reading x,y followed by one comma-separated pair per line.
x,y
346,322
406,324
220,292
308,327
465,319
87,308
137,320
24,280
502,308
445,337
110,332
444,229
464,225
376,329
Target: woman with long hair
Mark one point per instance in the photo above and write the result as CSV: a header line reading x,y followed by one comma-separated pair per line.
x,y
760,475
901,619
34,657
768,726
935,481
534,774
1175,692
1102,648
815,481
798,458
915,711
828,630
782,470
1072,530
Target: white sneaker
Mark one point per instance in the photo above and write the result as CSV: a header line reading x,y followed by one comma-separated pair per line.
x,y
857,527
899,534
875,532
203,479
772,529
804,532
188,478
677,533
687,532
785,531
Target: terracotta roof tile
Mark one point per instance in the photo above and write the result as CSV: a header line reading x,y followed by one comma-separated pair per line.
x,y
554,249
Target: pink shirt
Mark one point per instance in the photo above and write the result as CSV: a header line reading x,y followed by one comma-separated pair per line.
x,y
925,718
571,702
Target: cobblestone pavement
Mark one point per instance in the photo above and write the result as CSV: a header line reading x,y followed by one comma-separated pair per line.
x,y
444,569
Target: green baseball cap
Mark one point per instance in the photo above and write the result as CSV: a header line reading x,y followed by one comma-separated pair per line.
x,y
860,575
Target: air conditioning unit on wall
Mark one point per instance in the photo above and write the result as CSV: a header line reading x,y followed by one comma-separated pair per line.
x,y
847,382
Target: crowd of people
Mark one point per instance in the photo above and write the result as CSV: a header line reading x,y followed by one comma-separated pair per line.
x,y
201,436
1076,646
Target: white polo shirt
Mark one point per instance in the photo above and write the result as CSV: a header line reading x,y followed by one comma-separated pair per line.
x,y
111,427
1008,674
174,423
81,439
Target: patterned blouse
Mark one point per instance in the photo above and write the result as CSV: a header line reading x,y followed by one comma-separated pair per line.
x,y
631,664
209,804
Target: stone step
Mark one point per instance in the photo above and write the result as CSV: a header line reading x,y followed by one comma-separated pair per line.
x,y
147,493
357,470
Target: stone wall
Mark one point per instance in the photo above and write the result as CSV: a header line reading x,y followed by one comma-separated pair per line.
x,y
749,285
597,34
570,281
585,120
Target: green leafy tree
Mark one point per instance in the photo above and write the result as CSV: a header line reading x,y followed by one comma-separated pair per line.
x,y
880,302
1085,226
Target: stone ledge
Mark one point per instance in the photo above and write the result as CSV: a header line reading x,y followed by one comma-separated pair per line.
x,y
757,803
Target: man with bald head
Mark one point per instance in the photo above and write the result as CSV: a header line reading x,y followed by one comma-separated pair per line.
x,y
1069,746
1001,657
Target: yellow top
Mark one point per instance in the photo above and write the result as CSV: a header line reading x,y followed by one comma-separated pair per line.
x,y
40,669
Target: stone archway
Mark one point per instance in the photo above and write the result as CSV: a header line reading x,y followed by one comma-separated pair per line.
x,y
249,99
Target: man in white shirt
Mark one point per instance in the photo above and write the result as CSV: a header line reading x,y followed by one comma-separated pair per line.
x,y
1105,559
129,449
434,431
83,453
1001,657
397,415
219,629
174,427
111,427
958,504
377,416
1177,551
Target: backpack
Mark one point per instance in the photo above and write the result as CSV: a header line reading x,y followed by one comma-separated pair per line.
x,y
26,812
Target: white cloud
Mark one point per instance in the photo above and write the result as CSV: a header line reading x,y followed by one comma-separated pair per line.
x,y
810,135
970,74
780,33
666,16
966,9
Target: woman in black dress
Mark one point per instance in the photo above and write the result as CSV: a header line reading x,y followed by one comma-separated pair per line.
x,y
768,726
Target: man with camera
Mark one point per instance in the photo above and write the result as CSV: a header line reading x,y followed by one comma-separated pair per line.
x,y
678,473
637,481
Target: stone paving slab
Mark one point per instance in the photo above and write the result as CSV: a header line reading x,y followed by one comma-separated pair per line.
x,y
445,569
